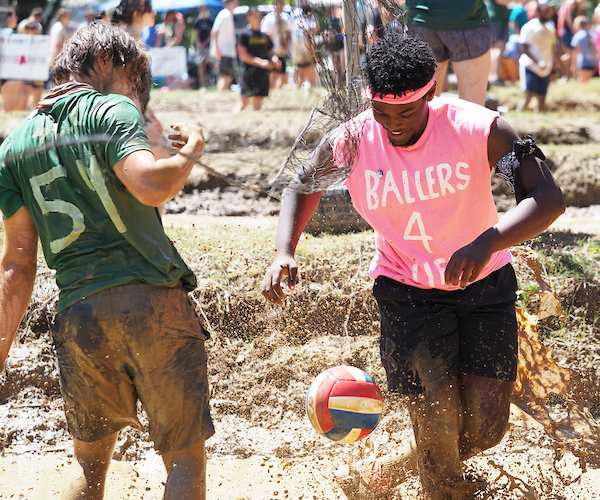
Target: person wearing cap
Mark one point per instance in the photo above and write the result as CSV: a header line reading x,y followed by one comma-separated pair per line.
x,y
418,171
538,54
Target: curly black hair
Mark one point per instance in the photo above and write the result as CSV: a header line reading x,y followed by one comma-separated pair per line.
x,y
398,63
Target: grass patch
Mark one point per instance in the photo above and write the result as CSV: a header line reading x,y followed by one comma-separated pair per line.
x,y
570,257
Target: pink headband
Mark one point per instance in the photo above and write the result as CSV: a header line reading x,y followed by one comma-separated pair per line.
x,y
408,97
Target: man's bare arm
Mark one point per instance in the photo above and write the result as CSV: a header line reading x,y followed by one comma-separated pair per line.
x,y
17,276
152,181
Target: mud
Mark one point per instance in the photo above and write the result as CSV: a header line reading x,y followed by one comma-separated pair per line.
x,y
262,358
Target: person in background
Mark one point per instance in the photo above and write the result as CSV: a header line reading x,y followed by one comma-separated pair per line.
x,y
90,16
103,16
374,27
37,86
134,16
538,54
567,12
509,68
585,54
278,25
499,14
458,32
333,38
518,15
125,330
170,31
202,27
304,27
15,93
255,50
37,15
223,44
58,33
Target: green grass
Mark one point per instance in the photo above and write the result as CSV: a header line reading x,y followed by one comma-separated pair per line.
x,y
577,261
556,91
222,243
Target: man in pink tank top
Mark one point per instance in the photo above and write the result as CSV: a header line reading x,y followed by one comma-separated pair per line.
x,y
420,175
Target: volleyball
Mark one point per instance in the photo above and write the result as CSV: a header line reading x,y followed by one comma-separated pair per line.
x,y
344,404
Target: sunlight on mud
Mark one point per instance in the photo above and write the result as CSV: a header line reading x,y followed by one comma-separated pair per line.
x,y
539,378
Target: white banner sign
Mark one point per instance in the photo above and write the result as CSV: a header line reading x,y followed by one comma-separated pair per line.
x,y
168,61
24,57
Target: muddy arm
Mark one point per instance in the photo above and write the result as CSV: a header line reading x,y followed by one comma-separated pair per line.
x,y
17,276
152,181
297,207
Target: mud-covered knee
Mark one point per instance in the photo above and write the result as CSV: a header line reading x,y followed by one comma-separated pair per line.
x,y
472,443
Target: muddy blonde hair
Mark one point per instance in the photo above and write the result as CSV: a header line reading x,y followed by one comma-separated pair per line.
x,y
107,42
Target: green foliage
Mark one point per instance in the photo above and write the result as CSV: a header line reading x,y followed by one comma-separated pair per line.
x,y
256,3
571,256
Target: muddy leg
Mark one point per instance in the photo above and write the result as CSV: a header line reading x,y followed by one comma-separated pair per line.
x,y
399,462
87,476
436,422
486,407
186,471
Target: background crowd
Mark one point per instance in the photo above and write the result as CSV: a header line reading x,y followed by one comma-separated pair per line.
x,y
253,50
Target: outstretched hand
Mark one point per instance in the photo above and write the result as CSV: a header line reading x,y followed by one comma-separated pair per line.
x,y
271,285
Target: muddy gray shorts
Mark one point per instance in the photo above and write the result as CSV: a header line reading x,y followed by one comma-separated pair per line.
x,y
428,336
456,45
129,343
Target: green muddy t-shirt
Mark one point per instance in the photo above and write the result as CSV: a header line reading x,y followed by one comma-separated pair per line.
x,y
448,15
95,234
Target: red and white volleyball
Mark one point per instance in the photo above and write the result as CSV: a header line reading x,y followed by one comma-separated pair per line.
x,y
344,404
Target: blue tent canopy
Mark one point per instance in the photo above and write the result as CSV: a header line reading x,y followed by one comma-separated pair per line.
x,y
162,5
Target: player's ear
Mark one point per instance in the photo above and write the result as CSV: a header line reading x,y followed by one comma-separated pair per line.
x,y
431,93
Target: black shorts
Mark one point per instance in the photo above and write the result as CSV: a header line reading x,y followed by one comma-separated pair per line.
x,y
226,67
254,82
428,336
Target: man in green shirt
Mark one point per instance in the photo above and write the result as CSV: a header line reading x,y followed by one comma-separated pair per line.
x,y
79,174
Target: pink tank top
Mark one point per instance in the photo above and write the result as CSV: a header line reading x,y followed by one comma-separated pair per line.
x,y
427,200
